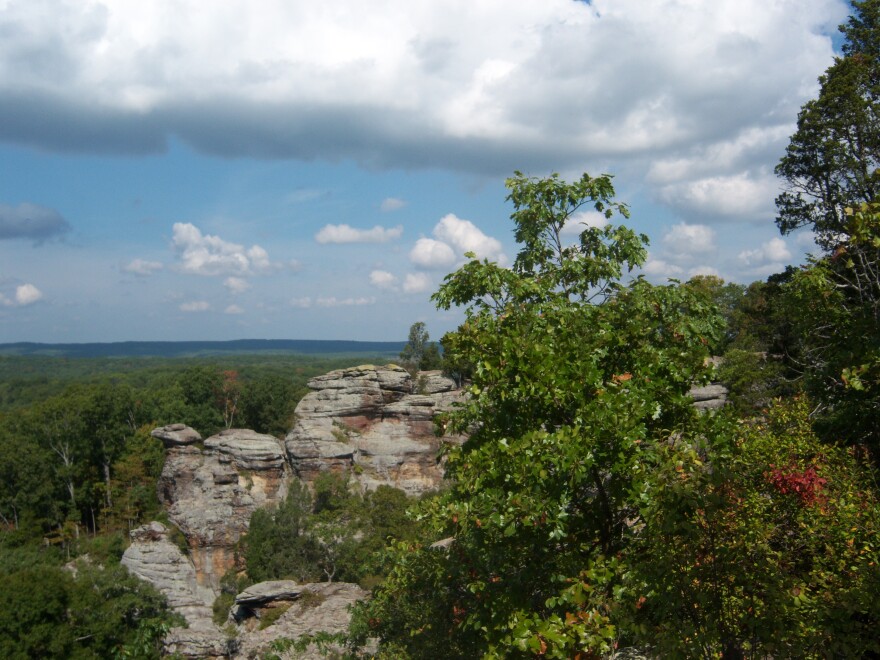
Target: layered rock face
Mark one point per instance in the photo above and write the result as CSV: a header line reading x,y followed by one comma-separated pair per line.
x,y
374,422
211,493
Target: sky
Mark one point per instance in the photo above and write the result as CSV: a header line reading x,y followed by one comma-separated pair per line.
x,y
280,169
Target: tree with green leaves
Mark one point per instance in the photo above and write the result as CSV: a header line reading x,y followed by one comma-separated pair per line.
x,y
420,353
833,181
832,159
577,379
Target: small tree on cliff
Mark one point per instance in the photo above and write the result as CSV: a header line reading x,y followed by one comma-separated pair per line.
x,y
420,353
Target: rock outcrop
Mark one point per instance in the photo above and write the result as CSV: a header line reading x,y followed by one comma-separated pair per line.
x,y
211,493
709,397
374,422
310,608
154,558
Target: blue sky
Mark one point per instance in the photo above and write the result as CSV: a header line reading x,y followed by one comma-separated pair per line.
x,y
173,170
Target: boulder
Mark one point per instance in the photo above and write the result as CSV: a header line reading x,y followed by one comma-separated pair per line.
x,y
261,594
175,435
319,607
709,397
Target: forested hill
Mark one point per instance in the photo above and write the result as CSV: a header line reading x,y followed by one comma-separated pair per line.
x,y
204,348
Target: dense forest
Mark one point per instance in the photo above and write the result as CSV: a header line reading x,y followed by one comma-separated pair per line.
x,y
592,509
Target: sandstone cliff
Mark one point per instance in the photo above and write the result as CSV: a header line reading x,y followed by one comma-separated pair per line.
x,y
375,423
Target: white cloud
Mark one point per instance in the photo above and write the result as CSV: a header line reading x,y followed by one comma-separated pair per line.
x,y
236,284
392,204
402,84
806,240
453,238
583,219
428,253
294,265
742,196
233,309
142,267
774,251
416,283
301,303
383,279
465,236
332,301
685,241
661,269
194,306
25,294
704,270
346,234
204,254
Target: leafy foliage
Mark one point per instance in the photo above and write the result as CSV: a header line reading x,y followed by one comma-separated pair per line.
x,y
831,161
576,380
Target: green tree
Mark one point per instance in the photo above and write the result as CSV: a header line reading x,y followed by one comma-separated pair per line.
x,y
577,378
758,541
831,161
420,353
278,544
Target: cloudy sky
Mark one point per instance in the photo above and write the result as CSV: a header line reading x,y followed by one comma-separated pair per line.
x,y
176,169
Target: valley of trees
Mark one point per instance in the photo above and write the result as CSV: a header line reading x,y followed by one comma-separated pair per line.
x,y
593,508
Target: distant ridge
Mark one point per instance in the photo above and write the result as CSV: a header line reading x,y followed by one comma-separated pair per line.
x,y
199,348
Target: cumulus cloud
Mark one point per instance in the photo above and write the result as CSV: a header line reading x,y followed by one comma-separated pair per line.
x,y
744,195
194,306
204,254
346,234
392,204
453,238
769,258
683,251
464,236
409,84
142,267
416,283
661,269
233,309
688,242
428,253
24,294
579,221
333,301
236,284
31,222
383,279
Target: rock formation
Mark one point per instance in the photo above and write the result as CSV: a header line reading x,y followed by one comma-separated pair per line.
x,y
376,423
211,493
709,397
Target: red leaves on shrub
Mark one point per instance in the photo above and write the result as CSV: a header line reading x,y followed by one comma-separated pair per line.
x,y
806,484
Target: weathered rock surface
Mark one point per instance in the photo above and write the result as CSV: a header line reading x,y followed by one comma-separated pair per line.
x,y
174,435
709,397
377,423
316,607
210,494
154,558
